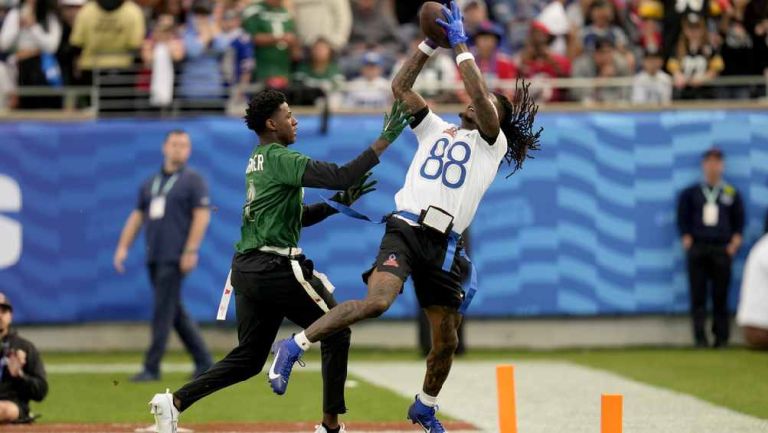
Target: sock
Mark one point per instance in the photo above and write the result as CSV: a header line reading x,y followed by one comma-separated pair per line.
x,y
427,399
302,341
331,430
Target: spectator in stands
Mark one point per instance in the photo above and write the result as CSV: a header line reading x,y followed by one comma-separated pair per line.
x,y
752,314
32,32
652,85
22,374
675,14
536,60
737,51
174,206
437,78
494,64
603,62
516,17
319,76
161,52
370,89
475,15
108,33
373,27
237,64
330,20
276,44
7,71
67,54
710,218
602,15
201,76
696,62
756,22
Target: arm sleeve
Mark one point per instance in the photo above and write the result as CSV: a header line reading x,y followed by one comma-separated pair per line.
x,y
33,385
142,204
737,214
315,213
199,195
10,30
319,174
683,213
287,167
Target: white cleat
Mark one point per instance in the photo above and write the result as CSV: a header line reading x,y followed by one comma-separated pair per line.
x,y
166,414
321,429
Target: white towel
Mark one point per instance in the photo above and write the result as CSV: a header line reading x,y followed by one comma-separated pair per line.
x,y
161,87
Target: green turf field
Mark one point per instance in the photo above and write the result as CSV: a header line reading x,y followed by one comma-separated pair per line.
x,y
733,378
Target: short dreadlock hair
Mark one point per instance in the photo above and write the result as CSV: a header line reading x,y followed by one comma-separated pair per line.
x,y
517,125
261,107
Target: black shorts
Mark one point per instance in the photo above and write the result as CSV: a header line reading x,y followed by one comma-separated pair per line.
x,y
419,252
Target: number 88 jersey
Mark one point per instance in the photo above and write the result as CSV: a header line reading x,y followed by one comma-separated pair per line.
x,y
451,170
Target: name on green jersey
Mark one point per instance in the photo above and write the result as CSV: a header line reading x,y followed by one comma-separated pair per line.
x,y
255,163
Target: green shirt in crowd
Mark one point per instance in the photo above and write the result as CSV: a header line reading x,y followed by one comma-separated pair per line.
x,y
273,60
274,198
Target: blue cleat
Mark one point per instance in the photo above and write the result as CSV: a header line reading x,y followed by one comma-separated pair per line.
x,y
287,352
423,415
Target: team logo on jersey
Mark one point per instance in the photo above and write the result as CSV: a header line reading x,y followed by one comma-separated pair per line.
x,y
451,131
391,261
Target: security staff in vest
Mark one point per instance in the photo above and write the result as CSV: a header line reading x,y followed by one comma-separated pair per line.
x,y
710,217
173,204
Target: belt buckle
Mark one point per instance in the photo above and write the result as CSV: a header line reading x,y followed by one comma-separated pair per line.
x,y
436,219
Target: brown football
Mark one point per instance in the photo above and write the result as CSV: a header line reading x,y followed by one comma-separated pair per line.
x,y
429,12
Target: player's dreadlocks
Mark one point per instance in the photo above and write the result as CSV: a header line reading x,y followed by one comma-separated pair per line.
x,y
517,125
261,107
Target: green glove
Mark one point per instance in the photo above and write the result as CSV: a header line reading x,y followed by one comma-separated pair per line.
x,y
394,122
354,192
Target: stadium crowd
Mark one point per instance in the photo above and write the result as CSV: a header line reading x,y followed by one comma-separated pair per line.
x,y
344,51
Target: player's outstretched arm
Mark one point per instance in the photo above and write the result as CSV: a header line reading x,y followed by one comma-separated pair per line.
x,y
402,84
326,175
317,212
474,83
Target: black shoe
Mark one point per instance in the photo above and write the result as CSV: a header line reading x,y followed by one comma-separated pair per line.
x,y
701,343
145,376
720,344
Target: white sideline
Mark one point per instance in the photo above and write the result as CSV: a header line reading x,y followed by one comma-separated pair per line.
x,y
557,397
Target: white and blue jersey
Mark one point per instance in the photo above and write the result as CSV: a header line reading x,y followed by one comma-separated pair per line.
x,y
452,170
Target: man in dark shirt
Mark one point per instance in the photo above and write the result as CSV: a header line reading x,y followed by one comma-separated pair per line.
x,y
174,205
22,376
710,217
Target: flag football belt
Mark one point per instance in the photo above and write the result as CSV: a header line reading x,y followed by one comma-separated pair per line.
x,y
291,253
433,218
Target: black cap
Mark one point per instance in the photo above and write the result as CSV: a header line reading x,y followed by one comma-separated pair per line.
x,y
712,152
5,302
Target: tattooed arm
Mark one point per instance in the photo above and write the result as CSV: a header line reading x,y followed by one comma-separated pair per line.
x,y
487,118
402,84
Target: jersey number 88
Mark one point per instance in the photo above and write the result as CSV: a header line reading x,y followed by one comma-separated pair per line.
x,y
435,167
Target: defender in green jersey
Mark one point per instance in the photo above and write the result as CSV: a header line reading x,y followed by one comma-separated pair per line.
x,y
272,279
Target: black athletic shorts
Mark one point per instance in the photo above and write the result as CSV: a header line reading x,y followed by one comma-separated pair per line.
x,y
419,252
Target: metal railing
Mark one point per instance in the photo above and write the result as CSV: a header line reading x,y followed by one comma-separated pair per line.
x,y
120,95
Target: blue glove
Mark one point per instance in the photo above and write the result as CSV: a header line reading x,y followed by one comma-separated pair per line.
x,y
454,26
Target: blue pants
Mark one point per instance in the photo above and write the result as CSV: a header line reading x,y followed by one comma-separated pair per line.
x,y
169,313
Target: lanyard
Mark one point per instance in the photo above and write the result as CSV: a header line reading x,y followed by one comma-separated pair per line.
x,y
711,196
166,188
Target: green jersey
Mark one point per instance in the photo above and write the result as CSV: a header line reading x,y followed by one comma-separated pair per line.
x,y
273,60
274,198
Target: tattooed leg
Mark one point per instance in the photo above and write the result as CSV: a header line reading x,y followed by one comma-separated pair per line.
x,y
383,289
444,323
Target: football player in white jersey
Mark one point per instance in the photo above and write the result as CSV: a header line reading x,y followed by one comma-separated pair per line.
x,y
452,169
